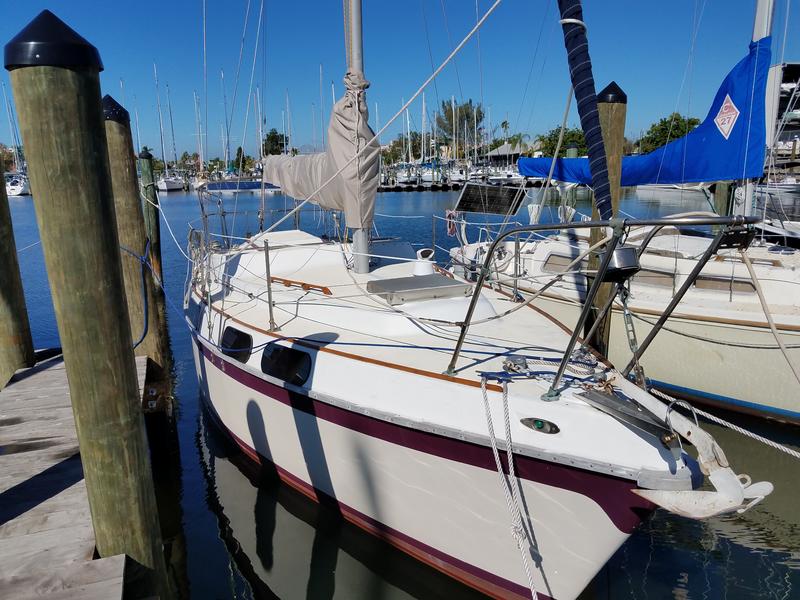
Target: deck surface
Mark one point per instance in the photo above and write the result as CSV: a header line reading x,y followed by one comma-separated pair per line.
x,y
46,535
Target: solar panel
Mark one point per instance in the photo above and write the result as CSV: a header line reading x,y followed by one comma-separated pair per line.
x,y
492,199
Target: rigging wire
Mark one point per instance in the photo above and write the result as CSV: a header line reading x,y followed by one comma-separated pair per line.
x,y
455,62
229,119
533,62
247,114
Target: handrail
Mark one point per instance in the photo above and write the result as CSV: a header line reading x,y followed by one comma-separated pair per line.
x,y
617,224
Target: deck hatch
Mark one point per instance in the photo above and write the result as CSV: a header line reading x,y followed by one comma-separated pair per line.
x,y
418,287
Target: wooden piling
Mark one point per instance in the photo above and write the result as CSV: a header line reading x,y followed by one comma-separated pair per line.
x,y
722,197
146,314
150,208
16,343
56,84
612,105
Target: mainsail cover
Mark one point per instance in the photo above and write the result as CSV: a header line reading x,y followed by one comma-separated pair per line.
x,y
729,144
353,190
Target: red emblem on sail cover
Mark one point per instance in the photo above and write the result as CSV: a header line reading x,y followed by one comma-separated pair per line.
x,y
726,117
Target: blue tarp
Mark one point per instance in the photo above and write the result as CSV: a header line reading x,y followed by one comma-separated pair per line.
x,y
729,144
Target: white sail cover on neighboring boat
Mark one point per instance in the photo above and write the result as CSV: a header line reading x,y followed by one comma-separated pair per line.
x,y
353,190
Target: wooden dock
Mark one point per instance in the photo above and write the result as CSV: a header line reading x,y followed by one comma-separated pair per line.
x,y
46,537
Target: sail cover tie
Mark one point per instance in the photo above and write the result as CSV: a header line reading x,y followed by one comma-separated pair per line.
x,y
355,185
729,144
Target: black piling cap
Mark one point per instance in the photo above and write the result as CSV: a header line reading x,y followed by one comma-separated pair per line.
x,y
48,41
145,154
114,111
612,94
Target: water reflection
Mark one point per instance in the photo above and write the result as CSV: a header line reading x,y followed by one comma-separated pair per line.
x,y
288,546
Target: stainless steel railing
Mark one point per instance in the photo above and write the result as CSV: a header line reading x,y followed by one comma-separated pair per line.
x,y
730,235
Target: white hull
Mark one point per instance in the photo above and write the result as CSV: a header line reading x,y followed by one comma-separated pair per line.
x,y
18,186
369,420
447,513
169,184
742,376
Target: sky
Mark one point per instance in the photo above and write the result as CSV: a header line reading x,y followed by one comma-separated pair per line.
x,y
666,55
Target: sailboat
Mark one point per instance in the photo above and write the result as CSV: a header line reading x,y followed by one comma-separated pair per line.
x,y
736,318
17,183
432,411
167,182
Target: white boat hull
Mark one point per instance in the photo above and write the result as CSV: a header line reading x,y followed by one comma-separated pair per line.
x,y
434,497
169,184
734,371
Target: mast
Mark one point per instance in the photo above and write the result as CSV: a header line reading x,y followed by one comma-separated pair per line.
x,y
355,55
227,137
136,115
260,128
408,128
314,126
762,27
288,121
172,130
455,127
197,129
466,147
13,130
475,131
762,23
321,109
160,122
283,126
422,141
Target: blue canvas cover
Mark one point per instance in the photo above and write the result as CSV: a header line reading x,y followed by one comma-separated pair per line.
x,y
729,144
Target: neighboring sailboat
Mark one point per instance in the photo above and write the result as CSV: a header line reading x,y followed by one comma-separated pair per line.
x,y
167,182
720,330
352,370
17,183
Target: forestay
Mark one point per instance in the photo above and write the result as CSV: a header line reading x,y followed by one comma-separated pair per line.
x,y
729,144
355,185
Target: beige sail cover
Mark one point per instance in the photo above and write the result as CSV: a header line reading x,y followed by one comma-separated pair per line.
x,y
351,191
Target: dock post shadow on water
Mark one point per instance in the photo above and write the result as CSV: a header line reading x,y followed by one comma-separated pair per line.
x,y
55,80
16,342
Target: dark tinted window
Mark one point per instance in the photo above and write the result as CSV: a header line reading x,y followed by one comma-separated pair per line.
x,y
236,344
285,363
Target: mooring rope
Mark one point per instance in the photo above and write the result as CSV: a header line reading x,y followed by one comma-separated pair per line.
x,y
518,529
728,424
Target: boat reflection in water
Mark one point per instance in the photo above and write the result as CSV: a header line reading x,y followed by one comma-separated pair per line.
x,y
287,546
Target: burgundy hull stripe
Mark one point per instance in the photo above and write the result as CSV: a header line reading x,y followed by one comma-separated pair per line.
x,y
624,508
385,530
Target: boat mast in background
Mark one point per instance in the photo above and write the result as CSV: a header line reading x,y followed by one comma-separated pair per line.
x,y
14,133
172,131
160,120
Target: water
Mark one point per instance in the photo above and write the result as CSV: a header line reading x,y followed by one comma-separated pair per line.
x,y
237,533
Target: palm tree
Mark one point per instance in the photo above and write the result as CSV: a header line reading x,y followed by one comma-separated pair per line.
x,y
505,126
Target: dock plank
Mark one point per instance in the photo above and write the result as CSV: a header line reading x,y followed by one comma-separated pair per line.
x,y
46,536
